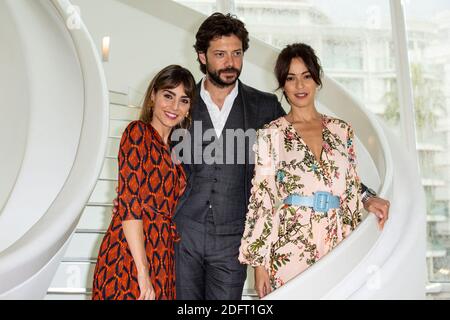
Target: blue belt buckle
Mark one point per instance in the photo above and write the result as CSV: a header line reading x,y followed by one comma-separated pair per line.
x,y
321,201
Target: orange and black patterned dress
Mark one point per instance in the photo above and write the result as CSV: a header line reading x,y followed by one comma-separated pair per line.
x,y
150,184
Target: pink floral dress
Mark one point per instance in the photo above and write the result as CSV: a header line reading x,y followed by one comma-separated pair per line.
x,y
287,239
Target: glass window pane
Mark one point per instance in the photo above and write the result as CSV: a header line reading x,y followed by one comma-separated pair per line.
x,y
428,44
352,38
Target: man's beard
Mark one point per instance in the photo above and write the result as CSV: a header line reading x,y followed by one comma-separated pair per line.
x,y
214,76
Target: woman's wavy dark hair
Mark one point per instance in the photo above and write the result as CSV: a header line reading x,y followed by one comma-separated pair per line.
x,y
216,26
169,78
298,50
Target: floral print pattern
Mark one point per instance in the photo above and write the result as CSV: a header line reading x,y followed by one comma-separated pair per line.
x,y
287,239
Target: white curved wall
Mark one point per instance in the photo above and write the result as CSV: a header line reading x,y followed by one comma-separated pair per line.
x,y
53,78
14,109
66,142
140,45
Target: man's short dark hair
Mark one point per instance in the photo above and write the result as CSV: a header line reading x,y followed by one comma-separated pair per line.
x,y
298,50
218,25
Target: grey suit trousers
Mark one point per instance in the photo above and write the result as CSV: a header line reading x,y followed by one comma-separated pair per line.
x,y
207,265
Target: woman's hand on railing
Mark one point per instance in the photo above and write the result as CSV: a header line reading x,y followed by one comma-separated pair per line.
x,y
379,207
262,281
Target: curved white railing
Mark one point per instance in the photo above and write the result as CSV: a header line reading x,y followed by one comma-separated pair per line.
x,y
63,154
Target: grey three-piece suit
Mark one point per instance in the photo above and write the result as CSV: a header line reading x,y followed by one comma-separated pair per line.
x,y
210,217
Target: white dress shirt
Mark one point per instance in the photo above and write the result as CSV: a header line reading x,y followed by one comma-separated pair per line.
x,y
218,116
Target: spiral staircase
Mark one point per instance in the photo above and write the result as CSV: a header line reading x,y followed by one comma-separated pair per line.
x,y
61,127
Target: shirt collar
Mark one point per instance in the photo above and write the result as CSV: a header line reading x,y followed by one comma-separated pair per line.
x,y
204,94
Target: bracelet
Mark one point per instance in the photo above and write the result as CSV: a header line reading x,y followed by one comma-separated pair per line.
x,y
366,196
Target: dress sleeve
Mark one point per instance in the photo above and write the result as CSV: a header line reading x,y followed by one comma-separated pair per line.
x,y
261,227
352,204
130,172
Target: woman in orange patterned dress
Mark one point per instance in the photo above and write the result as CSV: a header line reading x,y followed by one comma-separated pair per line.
x,y
136,257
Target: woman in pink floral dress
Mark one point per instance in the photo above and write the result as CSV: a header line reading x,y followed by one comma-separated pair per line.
x,y
305,196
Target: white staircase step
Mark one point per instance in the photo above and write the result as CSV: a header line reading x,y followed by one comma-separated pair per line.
x,y
95,217
110,169
117,127
112,148
104,192
135,97
91,231
121,112
249,294
79,260
118,97
73,275
61,294
81,294
67,296
99,204
83,246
